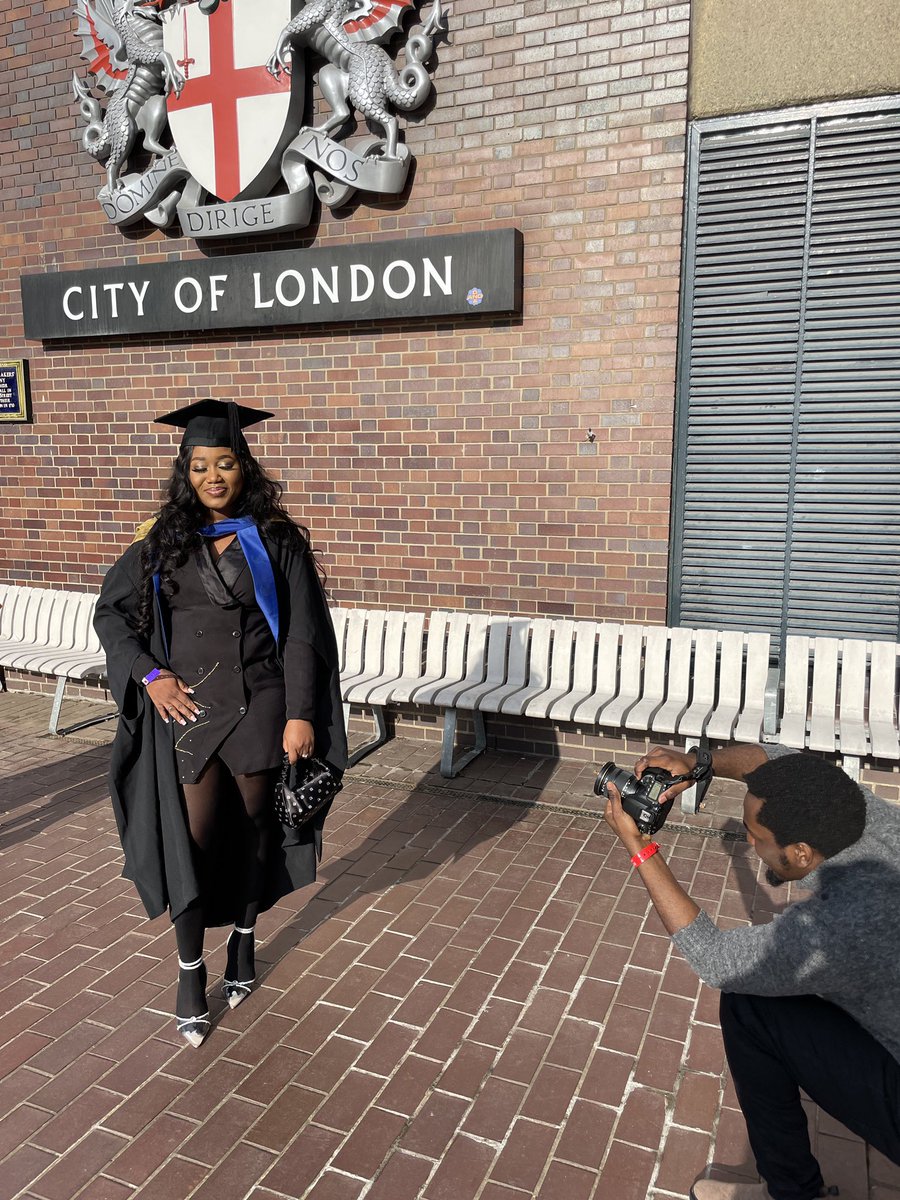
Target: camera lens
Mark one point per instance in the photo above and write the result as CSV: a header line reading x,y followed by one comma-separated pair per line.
x,y
610,773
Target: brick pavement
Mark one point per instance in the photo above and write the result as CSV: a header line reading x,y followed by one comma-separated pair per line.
x,y
472,1002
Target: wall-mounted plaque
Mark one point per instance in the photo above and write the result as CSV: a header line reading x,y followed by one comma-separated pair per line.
x,y
464,275
15,395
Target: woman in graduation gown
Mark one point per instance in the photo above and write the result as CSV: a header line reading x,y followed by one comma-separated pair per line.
x,y
222,658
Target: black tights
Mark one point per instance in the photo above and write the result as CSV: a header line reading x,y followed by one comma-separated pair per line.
x,y
204,800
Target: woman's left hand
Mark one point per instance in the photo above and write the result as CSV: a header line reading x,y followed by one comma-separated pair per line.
x,y
299,740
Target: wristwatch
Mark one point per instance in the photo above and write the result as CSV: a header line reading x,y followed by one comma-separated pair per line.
x,y
152,676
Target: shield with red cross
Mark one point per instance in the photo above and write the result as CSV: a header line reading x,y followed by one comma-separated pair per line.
x,y
233,119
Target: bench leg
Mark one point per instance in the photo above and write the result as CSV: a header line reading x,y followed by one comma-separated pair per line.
x,y
851,767
770,704
381,735
449,768
57,704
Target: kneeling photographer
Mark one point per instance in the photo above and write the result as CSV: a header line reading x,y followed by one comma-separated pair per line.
x,y
809,1000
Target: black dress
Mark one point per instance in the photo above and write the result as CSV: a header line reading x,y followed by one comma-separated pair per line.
x,y
213,634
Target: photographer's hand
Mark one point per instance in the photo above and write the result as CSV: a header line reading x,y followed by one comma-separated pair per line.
x,y
729,762
675,907
676,762
623,826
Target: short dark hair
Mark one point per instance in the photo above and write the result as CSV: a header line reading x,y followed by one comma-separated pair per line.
x,y
806,799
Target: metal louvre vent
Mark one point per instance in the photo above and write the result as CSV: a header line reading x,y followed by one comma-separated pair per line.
x,y
787,493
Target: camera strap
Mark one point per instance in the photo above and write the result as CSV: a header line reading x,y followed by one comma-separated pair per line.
x,y
702,771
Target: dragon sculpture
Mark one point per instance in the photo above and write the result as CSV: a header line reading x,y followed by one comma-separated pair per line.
x,y
356,72
126,32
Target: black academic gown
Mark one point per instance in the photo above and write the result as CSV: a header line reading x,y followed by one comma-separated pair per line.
x,y
144,786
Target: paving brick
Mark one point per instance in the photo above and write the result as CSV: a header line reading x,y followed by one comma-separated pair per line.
x,y
101,1188
143,1105
434,1125
23,1166
367,1147
461,1171
443,1034
199,1099
563,1179
150,1148
75,1120
349,1101
627,1171
684,1155
402,1176
74,1168
585,1134
302,1162
177,1177
524,1156
20,1126
282,1120
409,1085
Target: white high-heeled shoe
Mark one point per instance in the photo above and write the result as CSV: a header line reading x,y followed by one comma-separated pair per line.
x,y
194,1029
236,991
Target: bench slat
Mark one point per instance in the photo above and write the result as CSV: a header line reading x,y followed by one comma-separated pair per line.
x,y
823,715
654,686
538,668
851,719
498,648
373,653
629,690
749,726
883,701
560,682
516,667
584,710
397,627
474,665
402,691
796,692
678,682
731,670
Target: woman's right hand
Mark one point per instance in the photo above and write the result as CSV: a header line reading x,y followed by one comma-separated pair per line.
x,y
171,698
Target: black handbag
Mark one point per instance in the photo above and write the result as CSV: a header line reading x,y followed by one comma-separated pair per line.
x,y
304,788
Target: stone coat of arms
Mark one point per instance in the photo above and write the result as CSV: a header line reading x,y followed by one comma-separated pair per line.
x,y
208,97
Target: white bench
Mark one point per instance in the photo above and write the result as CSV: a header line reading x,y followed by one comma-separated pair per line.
x,y
840,696
588,673
50,632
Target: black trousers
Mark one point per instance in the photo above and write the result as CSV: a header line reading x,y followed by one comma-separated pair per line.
x,y
777,1045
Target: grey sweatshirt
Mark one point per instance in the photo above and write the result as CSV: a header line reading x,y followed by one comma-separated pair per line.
x,y
841,943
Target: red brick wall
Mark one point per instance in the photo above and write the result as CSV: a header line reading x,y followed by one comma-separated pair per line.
x,y
437,465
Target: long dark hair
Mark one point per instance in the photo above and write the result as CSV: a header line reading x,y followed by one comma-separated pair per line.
x,y
175,533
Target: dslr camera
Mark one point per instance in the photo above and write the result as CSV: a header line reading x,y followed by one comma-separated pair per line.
x,y
640,797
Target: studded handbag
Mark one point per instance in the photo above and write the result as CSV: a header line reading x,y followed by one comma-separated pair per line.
x,y
303,789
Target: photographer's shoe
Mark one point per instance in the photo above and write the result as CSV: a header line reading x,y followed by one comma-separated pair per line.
x,y
714,1189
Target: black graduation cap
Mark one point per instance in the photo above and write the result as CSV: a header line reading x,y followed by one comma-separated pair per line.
x,y
214,423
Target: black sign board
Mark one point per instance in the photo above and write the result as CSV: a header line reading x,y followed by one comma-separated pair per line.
x,y
458,275
15,395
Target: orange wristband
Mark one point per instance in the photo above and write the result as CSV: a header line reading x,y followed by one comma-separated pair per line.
x,y
642,855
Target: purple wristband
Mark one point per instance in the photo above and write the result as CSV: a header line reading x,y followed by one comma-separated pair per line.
x,y
152,676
